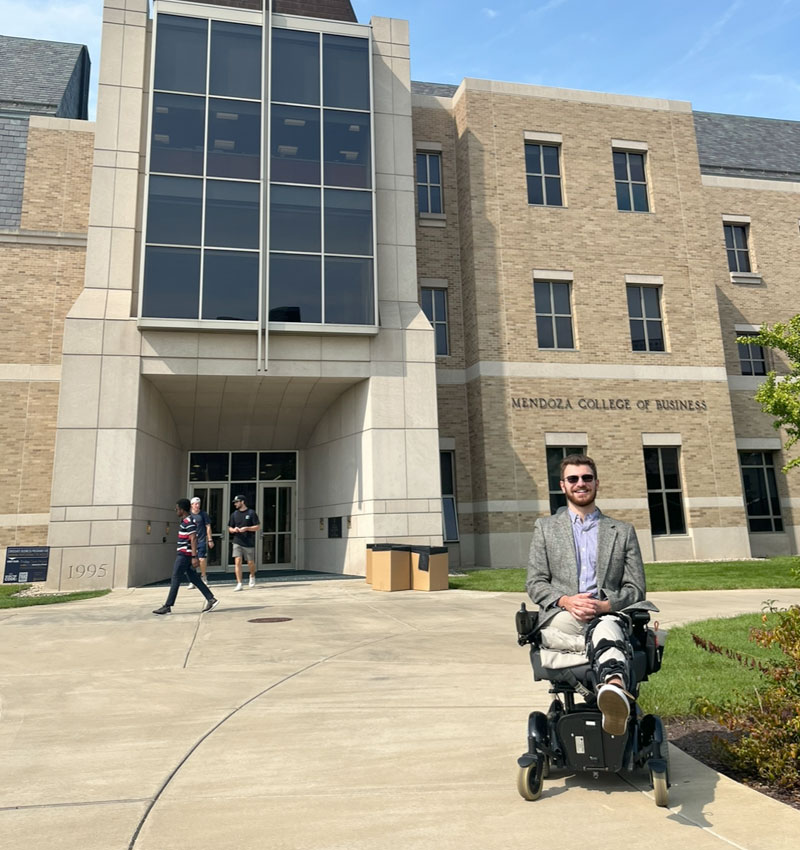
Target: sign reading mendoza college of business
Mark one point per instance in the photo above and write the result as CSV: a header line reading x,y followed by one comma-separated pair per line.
x,y
26,563
646,404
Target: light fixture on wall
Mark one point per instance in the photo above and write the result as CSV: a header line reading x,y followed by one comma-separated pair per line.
x,y
149,527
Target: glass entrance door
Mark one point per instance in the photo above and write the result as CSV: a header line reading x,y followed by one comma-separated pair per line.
x,y
213,502
277,527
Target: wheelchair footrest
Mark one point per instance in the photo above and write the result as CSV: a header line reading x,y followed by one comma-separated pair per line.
x,y
586,747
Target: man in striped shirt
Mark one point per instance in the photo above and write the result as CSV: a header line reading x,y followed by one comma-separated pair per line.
x,y
186,561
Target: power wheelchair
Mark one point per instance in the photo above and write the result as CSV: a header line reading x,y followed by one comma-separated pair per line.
x,y
570,735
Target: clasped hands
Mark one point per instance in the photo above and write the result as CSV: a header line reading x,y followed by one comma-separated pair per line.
x,y
584,606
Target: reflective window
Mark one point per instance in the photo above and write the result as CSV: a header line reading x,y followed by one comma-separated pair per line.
x,y
752,358
736,246
761,491
208,466
664,493
181,51
553,314
345,66
644,313
235,60
175,210
295,288
295,147
348,222
295,66
178,134
234,139
171,283
232,219
447,462
230,286
434,306
277,466
295,220
631,183
243,466
429,183
349,292
543,173
347,149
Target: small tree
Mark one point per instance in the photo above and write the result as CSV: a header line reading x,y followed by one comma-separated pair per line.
x,y
779,397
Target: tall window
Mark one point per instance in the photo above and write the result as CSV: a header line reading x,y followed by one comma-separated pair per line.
x,y
737,248
555,454
644,314
629,176
760,491
203,210
664,494
429,183
543,173
434,305
447,463
752,359
553,314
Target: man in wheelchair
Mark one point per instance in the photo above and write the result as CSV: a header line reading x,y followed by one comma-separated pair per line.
x,y
589,638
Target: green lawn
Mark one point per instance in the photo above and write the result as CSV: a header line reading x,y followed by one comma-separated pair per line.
x,y
689,673
8,600
717,575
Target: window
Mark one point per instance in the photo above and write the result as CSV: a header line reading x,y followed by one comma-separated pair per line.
x,y
434,305
543,173
429,183
553,314
760,491
664,495
631,182
736,246
555,454
644,314
447,463
752,358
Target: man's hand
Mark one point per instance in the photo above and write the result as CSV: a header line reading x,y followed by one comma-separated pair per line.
x,y
210,543
584,607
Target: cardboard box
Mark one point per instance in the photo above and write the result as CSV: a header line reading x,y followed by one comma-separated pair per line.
x,y
391,568
429,568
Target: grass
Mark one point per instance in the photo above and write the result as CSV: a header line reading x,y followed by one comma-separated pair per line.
x,y
689,673
716,575
9,600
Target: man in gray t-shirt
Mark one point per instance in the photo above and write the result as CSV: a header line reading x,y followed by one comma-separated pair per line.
x,y
243,525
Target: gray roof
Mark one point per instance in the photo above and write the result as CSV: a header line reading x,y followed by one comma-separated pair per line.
x,y
13,153
35,74
739,146
435,89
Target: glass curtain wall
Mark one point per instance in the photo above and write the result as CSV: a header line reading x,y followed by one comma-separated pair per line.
x,y
204,254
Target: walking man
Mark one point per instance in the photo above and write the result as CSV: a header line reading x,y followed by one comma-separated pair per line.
x,y
584,569
186,561
243,525
204,539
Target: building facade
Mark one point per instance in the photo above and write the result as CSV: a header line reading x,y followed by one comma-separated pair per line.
x,y
385,310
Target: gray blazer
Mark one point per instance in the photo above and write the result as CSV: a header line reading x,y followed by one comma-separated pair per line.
x,y
553,566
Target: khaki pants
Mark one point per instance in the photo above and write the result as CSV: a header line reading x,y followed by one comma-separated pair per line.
x,y
566,634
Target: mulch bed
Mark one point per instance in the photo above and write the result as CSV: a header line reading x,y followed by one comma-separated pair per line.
x,y
694,735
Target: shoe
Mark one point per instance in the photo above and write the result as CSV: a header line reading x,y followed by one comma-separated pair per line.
x,y
615,708
164,609
238,586
210,605
252,581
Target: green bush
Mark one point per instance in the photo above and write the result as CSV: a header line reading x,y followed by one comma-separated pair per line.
x,y
766,744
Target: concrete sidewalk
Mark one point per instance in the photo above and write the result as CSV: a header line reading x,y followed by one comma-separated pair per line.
x,y
365,720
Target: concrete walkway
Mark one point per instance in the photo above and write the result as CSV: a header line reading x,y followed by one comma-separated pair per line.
x,y
367,720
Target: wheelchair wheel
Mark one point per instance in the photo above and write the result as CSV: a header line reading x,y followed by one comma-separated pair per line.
x,y
530,779
660,789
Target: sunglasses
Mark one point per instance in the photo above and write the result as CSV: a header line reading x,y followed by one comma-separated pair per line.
x,y
574,479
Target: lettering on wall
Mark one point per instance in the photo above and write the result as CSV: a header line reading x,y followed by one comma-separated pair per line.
x,y
648,405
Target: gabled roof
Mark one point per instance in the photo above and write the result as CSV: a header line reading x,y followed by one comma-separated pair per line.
x,y
35,75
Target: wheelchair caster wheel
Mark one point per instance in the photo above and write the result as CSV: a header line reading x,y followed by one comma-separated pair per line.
x,y
660,788
530,779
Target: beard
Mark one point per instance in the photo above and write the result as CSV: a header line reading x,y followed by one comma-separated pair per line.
x,y
581,498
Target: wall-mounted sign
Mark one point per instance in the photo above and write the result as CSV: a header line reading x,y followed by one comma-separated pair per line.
x,y
648,405
26,563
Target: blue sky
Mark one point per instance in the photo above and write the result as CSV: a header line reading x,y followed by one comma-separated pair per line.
x,y
738,56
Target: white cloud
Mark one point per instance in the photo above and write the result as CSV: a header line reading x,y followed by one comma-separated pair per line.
x,y
777,80
490,13
713,31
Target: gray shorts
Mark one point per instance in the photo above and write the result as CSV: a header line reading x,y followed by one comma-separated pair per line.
x,y
246,553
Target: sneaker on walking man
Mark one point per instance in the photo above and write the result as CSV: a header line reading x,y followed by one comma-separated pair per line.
x,y
186,561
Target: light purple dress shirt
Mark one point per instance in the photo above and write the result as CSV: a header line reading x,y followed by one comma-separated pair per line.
x,y
585,536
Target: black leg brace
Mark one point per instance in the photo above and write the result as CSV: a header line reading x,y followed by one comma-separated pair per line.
x,y
613,666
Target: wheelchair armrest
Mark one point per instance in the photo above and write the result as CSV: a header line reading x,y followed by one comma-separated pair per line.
x,y
527,623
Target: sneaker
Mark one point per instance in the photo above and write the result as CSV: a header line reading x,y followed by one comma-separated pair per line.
x,y
238,586
615,708
252,581
210,605
164,609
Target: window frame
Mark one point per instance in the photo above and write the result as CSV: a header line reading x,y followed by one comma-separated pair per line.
x,y
750,358
629,181
553,315
434,319
542,175
734,252
645,319
663,491
428,184
449,497
769,482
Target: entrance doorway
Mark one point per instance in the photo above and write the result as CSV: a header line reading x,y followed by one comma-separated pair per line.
x,y
268,482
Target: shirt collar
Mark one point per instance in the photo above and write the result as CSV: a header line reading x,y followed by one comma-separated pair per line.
x,y
576,518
